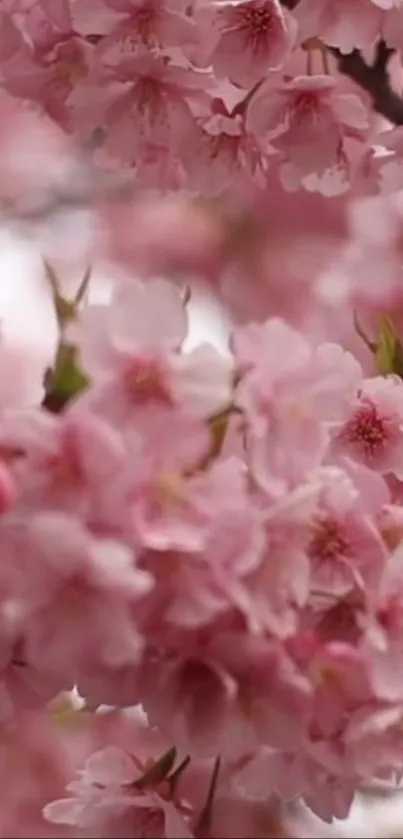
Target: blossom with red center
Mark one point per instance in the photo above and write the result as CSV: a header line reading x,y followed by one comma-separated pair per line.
x,y
345,549
367,428
327,542
145,380
373,431
131,349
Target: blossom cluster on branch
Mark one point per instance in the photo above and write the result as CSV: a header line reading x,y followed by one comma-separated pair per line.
x,y
205,546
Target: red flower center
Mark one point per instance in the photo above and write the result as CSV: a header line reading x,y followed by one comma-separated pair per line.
x,y
145,381
327,542
366,428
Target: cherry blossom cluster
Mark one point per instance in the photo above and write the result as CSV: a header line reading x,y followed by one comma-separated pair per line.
x,y
201,551
216,538
257,144
193,95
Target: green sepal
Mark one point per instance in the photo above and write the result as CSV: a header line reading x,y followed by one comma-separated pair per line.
x,y
66,310
389,352
65,381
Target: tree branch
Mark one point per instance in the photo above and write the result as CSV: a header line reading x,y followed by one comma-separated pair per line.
x,y
374,78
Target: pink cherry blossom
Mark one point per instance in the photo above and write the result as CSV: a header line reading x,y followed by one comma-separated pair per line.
x,y
49,75
381,622
142,317
392,29
150,104
223,153
105,797
345,548
154,24
67,463
61,620
45,23
215,540
201,538
250,38
341,23
371,432
10,41
165,500
291,399
141,373
290,115
216,697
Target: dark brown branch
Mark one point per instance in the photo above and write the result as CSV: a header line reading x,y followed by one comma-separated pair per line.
x,y
374,78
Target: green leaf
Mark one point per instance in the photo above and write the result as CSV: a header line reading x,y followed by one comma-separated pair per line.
x,y
389,352
66,310
65,381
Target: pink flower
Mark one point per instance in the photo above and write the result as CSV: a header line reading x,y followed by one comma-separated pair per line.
x,y
342,681
10,39
344,546
222,154
392,29
173,506
290,393
49,75
105,798
251,38
346,24
45,23
150,23
374,738
149,102
316,774
64,462
140,317
279,587
140,371
214,537
382,622
86,577
308,122
391,172
373,430
215,540
8,489
227,695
